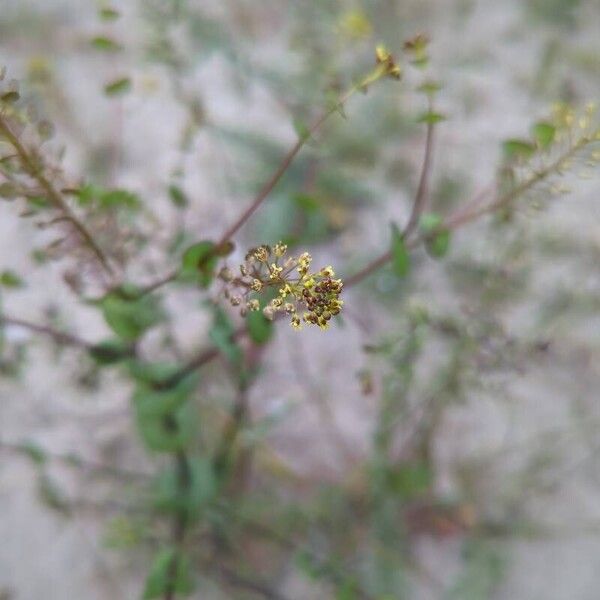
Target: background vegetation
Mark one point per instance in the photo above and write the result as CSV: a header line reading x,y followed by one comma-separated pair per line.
x,y
438,441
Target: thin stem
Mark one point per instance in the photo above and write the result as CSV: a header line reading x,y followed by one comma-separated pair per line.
x,y
462,217
204,356
54,196
60,337
287,160
231,431
75,461
285,163
421,195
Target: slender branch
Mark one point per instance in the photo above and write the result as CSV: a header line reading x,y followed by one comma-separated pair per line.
x,y
54,196
204,356
463,217
60,337
379,72
231,431
283,166
164,280
421,195
75,461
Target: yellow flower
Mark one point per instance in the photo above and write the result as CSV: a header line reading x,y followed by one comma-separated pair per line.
x,y
253,305
280,249
275,271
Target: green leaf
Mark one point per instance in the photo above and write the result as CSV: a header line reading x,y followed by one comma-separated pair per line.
x,y
400,255
168,562
178,197
105,44
198,263
543,133
118,86
260,329
10,279
152,373
34,452
108,13
515,149
197,495
110,352
301,130
431,117
130,314
411,480
430,88
166,433
437,237
53,496
10,97
221,333
101,198
118,198
152,401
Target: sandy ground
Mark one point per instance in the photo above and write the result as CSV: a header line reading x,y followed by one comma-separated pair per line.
x,y
488,60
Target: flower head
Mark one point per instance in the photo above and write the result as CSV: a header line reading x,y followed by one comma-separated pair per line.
x,y
294,288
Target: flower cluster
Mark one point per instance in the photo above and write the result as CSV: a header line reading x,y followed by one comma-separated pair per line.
x,y
305,296
383,57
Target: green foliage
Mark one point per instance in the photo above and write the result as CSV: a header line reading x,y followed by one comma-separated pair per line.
x,y
92,196
169,432
358,541
260,328
108,13
34,453
198,263
544,134
194,497
411,480
105,44
151,399
160,580
129,313
222,334
437,237
118,86
52,495
110,352
518,150
10,279
431,117
400,254
178,196
483,571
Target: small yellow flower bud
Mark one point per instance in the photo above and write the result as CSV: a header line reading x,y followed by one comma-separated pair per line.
x,y
280,249
274,271
253,305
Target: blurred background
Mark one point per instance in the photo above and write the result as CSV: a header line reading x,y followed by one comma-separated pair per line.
x,y
439,443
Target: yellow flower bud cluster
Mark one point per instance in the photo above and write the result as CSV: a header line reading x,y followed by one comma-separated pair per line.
x,y
295,290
